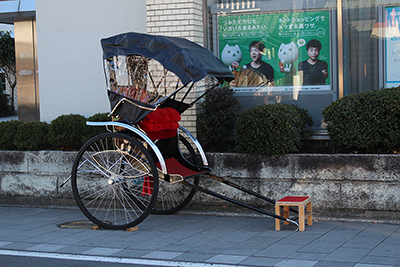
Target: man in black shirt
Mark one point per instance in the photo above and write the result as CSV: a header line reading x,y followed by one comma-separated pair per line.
x,y
313,71
257,72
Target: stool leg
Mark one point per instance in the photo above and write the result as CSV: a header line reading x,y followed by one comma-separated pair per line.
x,y
277,221
286,213
309,209
301,218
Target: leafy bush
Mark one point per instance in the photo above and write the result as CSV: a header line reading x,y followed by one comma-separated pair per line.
x,y
98,117
273,129
32,136
367,122
68,132
8,130
305,120
216,121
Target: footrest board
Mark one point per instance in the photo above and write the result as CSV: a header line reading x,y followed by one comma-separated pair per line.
x,y
175,168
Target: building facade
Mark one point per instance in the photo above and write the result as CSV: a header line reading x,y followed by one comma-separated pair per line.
x,y
360,42
358,45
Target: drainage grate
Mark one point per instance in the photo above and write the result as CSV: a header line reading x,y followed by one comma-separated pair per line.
x,y
79,225
87,225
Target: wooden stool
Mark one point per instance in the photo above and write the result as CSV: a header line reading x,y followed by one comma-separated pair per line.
x,y
300,202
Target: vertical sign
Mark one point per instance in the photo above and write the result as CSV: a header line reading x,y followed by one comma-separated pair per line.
x,y
392,40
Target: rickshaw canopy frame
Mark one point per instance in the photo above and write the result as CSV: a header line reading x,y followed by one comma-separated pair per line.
x,y
189,61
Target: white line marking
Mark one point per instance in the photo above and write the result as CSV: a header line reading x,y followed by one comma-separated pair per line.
x,y
108,259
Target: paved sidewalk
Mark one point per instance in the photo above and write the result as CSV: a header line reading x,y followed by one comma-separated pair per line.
x,y
199,240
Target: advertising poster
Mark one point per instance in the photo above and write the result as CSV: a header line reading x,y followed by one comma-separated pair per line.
x,y
392,40
280,40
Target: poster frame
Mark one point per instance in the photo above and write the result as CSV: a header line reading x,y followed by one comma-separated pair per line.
x,y
314,89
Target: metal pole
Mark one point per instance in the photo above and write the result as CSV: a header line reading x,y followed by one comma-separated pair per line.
x,y
340,47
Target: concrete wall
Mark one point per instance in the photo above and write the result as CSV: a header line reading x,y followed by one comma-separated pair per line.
x,y
336,182
71,77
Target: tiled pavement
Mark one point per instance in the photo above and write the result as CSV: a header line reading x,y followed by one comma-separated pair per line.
x,y
200,240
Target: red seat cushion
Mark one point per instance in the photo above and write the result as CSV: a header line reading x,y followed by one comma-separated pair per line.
x,y
161,123
293,199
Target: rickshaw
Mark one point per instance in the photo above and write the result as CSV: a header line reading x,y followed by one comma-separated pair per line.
x,y
146,162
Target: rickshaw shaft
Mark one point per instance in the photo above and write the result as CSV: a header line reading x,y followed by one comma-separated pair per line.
x,y
222,180
204,190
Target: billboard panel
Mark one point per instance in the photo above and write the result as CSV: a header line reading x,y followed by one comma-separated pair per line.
x,y
281,40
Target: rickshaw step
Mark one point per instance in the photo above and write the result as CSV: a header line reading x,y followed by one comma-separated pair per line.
x,y
299,201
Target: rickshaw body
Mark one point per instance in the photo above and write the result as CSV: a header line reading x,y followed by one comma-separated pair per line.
x,y
146,162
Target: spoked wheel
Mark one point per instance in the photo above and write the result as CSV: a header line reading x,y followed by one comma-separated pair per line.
x,y
114,181
173,197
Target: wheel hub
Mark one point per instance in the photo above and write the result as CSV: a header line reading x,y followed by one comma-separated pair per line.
x,y
113,180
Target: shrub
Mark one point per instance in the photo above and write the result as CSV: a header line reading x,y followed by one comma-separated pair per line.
x,y
272,129
216,121
32,136
98,117
305,120
8,130
68,132
368,122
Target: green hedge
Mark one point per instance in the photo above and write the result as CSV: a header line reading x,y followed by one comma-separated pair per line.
x,y
8,130
66,132
367,122
95,130
273,129
216,121
32,136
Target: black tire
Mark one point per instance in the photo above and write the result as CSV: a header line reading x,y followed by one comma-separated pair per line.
x,y
114,181
173,197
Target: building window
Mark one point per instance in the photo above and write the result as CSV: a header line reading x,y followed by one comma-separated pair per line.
x,y
300,46
279,53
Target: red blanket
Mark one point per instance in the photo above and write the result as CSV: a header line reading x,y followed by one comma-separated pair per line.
x,y
161,123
